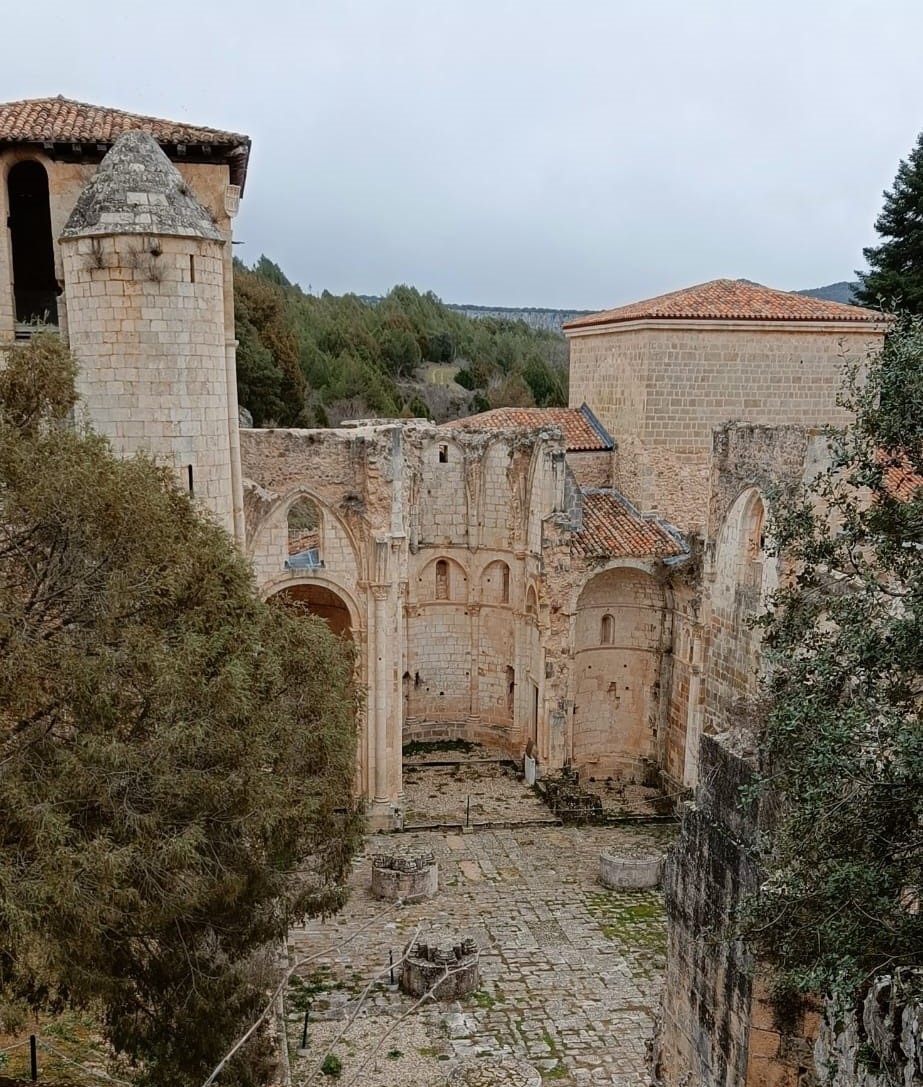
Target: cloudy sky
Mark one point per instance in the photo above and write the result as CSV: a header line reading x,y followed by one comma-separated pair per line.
x,y
565,153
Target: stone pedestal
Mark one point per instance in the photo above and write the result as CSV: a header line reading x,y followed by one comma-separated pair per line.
x,y
630,871
442,964
408,876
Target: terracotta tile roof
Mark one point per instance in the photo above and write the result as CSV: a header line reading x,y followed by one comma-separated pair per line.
x,y
730,300
583,432
899,479
62,120
612,527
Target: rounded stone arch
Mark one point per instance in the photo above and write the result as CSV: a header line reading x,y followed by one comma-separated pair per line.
x,y
495,582
621,619
293,582
442,578
742,566
35,262
532,602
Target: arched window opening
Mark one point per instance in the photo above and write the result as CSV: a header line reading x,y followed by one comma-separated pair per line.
x,y
510,689
442,580
756,531
607,630
495,583
531,602
35,288
304,535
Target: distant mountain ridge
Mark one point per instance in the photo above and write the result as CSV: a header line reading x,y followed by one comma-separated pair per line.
x,y
844,291
547,319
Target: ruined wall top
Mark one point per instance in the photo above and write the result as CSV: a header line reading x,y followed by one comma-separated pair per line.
x,y
137,190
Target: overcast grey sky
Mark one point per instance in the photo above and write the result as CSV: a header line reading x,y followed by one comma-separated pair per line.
x,y
518,152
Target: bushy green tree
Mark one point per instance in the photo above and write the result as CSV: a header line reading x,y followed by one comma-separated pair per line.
x,y
843,738
895,276
176,756
305,358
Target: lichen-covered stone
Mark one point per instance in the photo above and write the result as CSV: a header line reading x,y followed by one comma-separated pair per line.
x,y
137,190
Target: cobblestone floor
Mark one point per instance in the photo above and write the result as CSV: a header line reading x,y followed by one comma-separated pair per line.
x,y
570,971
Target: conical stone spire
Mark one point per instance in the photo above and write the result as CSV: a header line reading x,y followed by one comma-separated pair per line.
x,y
137,190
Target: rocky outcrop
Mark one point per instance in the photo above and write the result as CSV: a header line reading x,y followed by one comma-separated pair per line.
x,y
883,1047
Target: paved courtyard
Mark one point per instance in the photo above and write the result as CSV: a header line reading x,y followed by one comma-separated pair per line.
x,y
570,971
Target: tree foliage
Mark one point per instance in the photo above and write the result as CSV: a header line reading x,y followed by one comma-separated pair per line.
x,y
843,740
309,360
895,277
176,756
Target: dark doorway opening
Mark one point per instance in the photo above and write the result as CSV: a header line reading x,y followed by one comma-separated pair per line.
x,y
320,601
35,289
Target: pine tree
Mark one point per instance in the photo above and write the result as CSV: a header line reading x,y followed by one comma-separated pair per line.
x,y
895,276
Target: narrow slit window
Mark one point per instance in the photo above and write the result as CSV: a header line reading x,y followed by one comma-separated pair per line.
x,y
189,479
442,580
191,268
607,630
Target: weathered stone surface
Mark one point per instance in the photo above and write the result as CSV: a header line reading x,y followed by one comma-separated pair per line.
x,y
137,190
885,1048
440,964
405,876
624,872
505,1072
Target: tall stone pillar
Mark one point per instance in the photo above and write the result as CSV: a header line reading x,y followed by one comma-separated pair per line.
x,y
381,700
237,486
474,691
693,715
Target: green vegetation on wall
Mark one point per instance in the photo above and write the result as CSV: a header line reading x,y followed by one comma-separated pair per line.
x,y
308,360
842,746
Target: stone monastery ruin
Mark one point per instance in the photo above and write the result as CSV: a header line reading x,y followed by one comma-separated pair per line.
x,y
574,581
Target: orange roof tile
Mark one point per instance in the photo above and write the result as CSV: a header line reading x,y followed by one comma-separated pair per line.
x,y
730,300
899,479
612,527
62,120
582,430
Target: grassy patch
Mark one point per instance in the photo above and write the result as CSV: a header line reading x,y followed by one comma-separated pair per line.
x,y
550,1075
636,921
303,991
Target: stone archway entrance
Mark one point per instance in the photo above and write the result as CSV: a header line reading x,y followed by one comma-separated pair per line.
x,y
320,601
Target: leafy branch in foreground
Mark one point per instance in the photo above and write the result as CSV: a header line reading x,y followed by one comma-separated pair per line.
x,y
843,738
176,756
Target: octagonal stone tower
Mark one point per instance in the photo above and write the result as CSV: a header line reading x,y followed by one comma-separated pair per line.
x,y
144,267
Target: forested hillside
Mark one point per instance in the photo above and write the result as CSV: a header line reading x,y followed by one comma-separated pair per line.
x,y
308,360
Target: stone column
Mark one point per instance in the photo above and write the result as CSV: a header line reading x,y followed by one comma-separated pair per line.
x,y
380,720
237,487
474,692
693,715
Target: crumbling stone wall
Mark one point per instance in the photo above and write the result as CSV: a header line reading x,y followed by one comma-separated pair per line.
x,y
720,1027
747,462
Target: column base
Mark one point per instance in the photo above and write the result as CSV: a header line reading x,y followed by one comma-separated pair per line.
x,y
383,815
